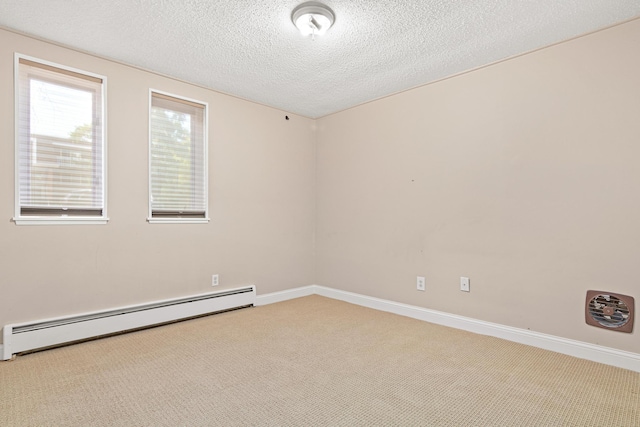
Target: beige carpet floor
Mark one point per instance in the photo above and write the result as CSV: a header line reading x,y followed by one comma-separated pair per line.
x,y
312,361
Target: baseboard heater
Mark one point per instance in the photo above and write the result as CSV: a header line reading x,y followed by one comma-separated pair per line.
x,y
21,337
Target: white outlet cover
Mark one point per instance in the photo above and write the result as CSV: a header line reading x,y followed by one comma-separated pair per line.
x,y
215,280
464,284
420,283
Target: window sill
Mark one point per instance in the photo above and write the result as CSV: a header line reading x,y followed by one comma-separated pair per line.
x,y
178,220
70,220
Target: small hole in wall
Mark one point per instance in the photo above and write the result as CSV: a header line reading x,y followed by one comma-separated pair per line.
x,y
286,117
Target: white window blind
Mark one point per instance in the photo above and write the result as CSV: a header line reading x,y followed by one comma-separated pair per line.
x,y
60,143
178,160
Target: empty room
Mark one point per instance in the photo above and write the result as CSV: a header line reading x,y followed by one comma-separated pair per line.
x,y
334,213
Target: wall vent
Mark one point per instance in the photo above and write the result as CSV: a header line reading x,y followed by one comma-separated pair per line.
x,y
609,310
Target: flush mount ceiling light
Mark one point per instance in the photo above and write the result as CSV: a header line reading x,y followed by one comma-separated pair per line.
x,y
312,18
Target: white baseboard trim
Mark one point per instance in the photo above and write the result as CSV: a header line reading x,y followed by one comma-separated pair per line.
x,y
582,350
288,294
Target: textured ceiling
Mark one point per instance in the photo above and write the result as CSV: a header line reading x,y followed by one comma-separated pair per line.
x,y
250,48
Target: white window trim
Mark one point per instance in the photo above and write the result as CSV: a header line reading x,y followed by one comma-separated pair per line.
x,y
56,220
205,150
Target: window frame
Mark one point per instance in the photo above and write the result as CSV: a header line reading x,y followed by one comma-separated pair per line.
x,y
205,172
58,219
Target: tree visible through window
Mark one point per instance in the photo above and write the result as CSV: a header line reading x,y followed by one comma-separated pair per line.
x,y
177,158
60,143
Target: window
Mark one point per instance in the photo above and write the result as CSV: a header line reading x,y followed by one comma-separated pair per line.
x,y
177,159
60,161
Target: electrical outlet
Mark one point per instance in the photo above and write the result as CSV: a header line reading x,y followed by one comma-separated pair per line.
x,y
420,283
215,280
464,284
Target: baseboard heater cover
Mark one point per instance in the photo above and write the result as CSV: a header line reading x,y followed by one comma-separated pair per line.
x,y
21,337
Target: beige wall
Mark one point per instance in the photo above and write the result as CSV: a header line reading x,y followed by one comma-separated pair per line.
x,y
261,200
524,176
521,175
